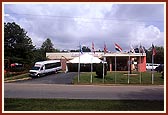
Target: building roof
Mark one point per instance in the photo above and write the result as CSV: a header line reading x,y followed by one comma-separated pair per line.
x,y
124,54
72,55
85,58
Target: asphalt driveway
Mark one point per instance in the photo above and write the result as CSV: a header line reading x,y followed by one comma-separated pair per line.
x,y
59,78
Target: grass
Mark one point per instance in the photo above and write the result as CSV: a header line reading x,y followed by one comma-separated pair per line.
x,y
121,78
81,105
17,77
12,74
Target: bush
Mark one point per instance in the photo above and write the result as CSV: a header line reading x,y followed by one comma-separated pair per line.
x,y
99,70
12,74
7,74
17,69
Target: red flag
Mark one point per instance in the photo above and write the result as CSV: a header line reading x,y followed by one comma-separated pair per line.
x,y
105,48
117,47
153,50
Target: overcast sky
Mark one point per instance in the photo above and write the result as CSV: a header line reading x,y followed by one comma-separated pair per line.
x,y
68,24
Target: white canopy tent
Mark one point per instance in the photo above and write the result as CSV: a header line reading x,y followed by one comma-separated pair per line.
x,y
86,59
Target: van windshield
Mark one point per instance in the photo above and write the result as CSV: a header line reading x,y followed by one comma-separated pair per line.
x,y
35,68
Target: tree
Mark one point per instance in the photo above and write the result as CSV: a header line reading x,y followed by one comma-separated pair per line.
x,y
47,46
39,55
17,45
158,58
86,49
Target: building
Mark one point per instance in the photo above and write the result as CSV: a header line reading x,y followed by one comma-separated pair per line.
x,y
124,61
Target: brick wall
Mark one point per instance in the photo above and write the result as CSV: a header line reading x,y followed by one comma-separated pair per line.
x,y
63,64
142,65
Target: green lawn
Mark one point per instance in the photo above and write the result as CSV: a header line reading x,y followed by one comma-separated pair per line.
x,y
121,78
81,105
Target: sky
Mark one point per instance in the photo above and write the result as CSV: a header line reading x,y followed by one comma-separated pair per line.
x,y
71,24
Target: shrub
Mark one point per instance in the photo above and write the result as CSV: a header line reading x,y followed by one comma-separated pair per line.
x,y
17,69
99,70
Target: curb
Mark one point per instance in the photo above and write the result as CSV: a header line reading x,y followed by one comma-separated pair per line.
x,y
8,81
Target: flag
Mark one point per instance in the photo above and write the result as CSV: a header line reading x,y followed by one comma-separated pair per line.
x,y
132,49
153,50
93,50
117,47
105,48
141,50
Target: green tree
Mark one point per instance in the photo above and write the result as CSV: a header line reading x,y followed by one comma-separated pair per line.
x,y
158,58
17,45
39,55
47,46
86,49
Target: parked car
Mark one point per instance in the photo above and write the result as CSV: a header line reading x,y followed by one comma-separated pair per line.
x,y
149,66
160,68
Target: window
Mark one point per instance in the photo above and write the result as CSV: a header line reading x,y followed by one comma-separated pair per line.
x,y
35,68
42,67
52,65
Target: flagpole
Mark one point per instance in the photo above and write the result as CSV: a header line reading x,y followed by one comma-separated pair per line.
x,y
140,51
140,70
153,54
115,68
79,64
91,77
128,68
152,69
118,48
91,80
103,68
104,59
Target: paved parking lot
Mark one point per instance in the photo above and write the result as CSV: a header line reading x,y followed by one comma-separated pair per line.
x,y
59,78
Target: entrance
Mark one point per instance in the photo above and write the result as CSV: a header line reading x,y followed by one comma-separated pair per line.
x,y
121,63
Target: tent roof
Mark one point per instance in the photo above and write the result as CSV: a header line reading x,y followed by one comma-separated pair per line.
x,y
85,58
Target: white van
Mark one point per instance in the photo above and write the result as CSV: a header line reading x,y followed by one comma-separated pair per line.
x,y
44,67
149,66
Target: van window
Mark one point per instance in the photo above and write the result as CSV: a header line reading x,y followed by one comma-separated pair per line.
x,y
52,65
42,67
35,68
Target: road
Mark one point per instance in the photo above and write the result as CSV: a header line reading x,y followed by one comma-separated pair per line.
x,y
16,90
